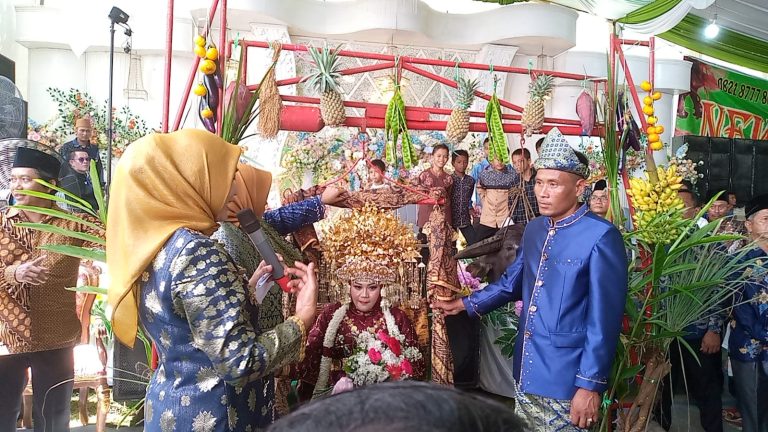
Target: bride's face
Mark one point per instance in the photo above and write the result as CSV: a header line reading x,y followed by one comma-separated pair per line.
x,y
365,295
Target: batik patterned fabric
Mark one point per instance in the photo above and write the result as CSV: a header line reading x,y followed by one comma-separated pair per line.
x,y
522,201
212,360
544,414
461,201
749,328
557,154
37,317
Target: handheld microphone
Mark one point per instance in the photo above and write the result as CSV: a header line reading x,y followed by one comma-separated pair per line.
x,y
250,224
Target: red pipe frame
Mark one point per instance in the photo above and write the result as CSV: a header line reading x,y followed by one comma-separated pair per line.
x,y
168,58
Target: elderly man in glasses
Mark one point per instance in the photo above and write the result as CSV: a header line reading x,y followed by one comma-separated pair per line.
x,y
77,178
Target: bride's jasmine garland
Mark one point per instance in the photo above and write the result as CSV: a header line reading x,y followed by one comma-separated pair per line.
x,y
376,358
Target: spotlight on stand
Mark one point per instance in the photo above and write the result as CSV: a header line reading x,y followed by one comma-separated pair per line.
x,y
119,17
711,31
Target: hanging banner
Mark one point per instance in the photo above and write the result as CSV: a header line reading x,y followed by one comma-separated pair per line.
x,y
723,103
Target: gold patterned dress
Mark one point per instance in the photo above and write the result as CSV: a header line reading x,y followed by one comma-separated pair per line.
x,y
193,306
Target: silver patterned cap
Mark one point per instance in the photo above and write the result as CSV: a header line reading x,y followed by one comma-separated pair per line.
x,y
557,154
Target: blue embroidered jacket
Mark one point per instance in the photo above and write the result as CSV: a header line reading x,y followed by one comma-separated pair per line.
x,y
572,278
749,327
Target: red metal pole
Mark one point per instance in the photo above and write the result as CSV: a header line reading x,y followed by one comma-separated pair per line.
x,y
431,110
633,42
350,71
193,71
453,84
168,59
632,88
431,62
652,61
222,62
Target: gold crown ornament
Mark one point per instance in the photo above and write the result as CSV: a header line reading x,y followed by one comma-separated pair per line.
x,y
372,245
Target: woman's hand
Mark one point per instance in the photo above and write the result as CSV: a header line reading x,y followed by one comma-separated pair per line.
x,y
261,276
305,287
343,385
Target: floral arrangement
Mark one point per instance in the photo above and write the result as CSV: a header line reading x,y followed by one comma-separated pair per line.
x,y
380,357
42,133
73,104
595,156
468,282
362,369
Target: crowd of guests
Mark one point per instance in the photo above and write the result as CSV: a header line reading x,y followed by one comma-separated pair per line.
x,y
184,271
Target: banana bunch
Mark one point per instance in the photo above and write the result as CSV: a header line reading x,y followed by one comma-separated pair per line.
x,y
658,208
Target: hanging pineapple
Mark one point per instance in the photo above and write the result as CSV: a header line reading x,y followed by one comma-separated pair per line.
x,y
539,90
325,79
458,124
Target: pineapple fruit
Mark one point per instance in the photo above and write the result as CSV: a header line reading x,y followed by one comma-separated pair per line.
x,y
458,124
325,79
539,90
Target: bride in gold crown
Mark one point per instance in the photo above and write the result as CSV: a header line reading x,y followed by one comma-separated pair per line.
x,y
362,339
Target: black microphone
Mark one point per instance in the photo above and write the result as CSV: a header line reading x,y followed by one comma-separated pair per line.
x,y
249,222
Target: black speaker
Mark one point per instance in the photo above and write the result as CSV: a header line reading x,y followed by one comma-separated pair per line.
x,y
131,372
7,68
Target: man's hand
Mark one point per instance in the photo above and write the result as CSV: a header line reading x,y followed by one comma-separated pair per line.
x,y
448,307
32,272
331,195
710,343
584,408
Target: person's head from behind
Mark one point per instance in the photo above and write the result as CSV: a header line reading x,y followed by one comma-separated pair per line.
x,y
719,207
83,130
80,161
376,171
440,156
690,202
757,219
399,407
599,200
29,165
521,159
561,174
460,160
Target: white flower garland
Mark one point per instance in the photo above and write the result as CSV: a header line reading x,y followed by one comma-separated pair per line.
x,y
321,387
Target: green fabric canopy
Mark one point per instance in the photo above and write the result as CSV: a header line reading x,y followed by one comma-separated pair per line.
x,y
729,46
650,11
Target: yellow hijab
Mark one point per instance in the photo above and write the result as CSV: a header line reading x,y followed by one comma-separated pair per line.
x,y
253,186
163,182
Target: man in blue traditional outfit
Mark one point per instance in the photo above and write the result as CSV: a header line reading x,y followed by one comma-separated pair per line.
x,y
748,343
571,273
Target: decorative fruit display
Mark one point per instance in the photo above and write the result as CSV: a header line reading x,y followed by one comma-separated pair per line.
x,y
325,79
627,126
653,130
497,145
208,89
539,90
458,123
396,127
658,208
585,109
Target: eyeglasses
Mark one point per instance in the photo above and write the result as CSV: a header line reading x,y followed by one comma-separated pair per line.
x,y
599,198
83,159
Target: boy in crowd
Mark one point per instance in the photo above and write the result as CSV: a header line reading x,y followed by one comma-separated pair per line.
x,y
495,183
463,185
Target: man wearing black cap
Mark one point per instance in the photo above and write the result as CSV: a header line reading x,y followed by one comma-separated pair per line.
x,y
38,323
599,201
748,343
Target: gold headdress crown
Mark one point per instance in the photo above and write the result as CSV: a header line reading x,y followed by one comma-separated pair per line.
x,y
367,244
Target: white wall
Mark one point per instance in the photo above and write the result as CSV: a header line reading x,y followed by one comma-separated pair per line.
x,y
10,48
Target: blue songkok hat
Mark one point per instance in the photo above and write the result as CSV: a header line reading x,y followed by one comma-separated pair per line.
x,y
557,154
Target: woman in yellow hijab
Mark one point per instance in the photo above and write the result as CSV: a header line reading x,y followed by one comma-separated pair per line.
x,y
168,193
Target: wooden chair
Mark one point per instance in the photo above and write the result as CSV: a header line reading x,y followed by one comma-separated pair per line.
x,y
95,377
